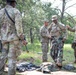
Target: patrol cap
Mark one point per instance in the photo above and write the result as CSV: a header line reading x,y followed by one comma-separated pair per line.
x,y
46,20
11,0
54,17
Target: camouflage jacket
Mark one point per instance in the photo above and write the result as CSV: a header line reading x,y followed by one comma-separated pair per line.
x,y
8,30
44,34
73,30
57,30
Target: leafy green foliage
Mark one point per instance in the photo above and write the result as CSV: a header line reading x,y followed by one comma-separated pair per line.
x,y
34,12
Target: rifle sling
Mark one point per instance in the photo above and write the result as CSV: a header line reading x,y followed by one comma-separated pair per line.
x,y
9,16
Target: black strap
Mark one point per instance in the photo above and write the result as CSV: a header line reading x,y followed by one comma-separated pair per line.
x,y
9,16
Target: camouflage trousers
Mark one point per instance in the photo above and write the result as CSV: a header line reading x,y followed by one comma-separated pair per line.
x,y
10,52
57,50
44,51
0,46
74,47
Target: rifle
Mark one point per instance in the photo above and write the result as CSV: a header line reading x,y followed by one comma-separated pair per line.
x,y
26,46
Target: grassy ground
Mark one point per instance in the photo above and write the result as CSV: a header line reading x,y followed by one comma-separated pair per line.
x,y
36,53
68,53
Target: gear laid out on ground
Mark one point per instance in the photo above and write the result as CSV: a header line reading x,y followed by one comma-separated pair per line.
x,y
26,66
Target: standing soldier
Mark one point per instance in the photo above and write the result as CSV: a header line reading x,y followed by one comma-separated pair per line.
x,y
44,40
11,33
74,42
58,36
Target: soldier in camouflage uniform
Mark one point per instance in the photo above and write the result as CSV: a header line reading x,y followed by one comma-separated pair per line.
x,y
11,34
58,34
74,42
44,40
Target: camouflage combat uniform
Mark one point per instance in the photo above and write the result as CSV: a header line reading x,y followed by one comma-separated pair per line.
x,y
57,32
74,42
10,34
44,42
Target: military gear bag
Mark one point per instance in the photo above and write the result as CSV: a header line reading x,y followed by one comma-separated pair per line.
x,y
69,67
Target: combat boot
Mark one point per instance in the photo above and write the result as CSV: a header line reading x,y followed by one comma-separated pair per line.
x,y
58,64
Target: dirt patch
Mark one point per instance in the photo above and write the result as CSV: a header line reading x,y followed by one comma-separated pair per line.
x,y
52,73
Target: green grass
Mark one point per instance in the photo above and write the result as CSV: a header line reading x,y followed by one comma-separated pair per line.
x,y
34,47
68,53
30,57
67,47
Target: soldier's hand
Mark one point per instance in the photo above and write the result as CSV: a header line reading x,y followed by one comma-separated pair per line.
x,y
64,39
67,26
24,42
49,37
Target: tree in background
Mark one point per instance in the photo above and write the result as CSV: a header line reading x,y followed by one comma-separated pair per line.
x,y
35,11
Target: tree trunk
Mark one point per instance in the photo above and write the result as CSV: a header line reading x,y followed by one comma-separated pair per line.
x,y
63,8
31,36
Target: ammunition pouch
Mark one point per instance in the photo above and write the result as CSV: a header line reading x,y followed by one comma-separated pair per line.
x,y
53,37
60,38
73,45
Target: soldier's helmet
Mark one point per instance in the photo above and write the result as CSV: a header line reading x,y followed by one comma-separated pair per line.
x,y
11,0
54,17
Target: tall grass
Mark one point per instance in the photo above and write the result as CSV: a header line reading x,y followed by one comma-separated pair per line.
x,y
68,53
